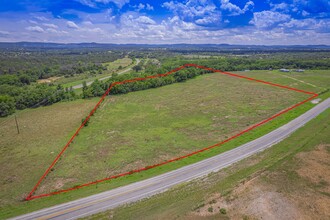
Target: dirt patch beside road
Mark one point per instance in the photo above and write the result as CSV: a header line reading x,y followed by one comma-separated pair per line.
x,y
299,192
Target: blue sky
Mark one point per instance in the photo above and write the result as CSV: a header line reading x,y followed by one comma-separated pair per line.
x,y
267,22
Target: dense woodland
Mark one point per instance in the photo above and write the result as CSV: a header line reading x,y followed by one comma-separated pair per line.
x,y
20,69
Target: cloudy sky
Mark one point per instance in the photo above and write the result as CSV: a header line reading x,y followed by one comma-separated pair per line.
x,y
266,22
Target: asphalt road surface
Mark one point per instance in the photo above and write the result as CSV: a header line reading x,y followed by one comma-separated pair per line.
x,y
107,77
146,188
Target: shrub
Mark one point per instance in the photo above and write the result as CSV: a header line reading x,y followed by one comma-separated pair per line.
x,y
7,105
87,122
223,211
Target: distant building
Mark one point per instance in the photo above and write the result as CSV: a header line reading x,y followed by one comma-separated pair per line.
x,y
300,70
284,70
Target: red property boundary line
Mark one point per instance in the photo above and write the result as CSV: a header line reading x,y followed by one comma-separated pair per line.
x,y
31,196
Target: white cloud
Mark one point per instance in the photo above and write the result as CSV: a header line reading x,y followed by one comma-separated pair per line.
x,y
206,20
141,6
268,19
149,7
202,12
119,3
4,34
72,25
135,20
50,25
33,22
307,24
192,8
234,9
92,3
35,29
88,3
145,20
284,7
189,23
304,13
88,23
41,18
55,31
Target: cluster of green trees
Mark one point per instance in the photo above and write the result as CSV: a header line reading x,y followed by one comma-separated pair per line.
x,y
19,72
251,63
98,88
7,105
13,97
33,65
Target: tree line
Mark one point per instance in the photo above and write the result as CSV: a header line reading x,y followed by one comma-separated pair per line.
x,y
98,88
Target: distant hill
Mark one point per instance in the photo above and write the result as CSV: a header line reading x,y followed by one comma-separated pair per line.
x,y
198,47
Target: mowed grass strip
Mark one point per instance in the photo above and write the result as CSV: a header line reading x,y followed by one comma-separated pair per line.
x,y
143,128
43,133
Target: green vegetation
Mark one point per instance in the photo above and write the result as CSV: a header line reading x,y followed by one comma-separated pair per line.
x,y
19,72
310,80
35,95
118,64
213,109
280,162
34,158
98,88
43,131
172,127
7,105
46,63
109,68
223,211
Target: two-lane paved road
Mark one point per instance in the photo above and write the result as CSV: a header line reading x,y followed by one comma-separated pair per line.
x,y
139,190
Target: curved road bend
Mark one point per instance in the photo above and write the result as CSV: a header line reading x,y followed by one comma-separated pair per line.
x,y
107,77
146,188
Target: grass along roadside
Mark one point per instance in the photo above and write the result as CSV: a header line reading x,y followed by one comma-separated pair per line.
x,y
19,207
271,184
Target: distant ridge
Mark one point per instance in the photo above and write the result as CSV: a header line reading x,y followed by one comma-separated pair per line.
x,y
209,47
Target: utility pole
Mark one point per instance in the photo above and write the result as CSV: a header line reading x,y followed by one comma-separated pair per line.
x,y
17,125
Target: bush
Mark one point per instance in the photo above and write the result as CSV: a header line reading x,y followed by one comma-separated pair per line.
x,y
87,122
223,211
7,105
210,209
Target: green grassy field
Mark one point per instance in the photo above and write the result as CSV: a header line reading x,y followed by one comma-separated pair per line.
x,y
153,105
43,131
310,80
277,168
143,128
111,68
